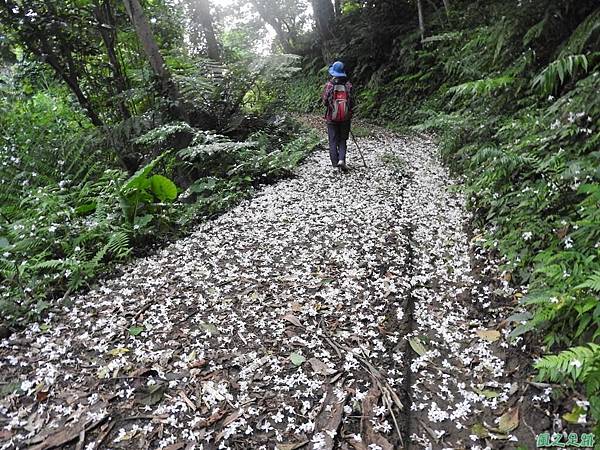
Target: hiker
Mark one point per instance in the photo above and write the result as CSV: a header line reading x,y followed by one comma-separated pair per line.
x,y
337,97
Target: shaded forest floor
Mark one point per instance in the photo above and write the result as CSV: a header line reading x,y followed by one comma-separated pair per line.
x,y
329,311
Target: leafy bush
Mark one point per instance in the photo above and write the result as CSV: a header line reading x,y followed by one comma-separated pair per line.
x,y
69,211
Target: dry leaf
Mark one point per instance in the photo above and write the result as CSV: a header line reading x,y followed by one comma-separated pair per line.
x,y
329,420
69,433
292,319
319,367
198,363
480,431
509,420
118,351
488,335
177,446
291,446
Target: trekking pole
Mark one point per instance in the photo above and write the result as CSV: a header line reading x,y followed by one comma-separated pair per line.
x,y
359,150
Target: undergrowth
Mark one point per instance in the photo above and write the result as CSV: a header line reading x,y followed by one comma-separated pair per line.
x,y
70,211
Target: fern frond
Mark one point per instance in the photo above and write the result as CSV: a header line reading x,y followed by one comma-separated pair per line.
x,y
593,282
582,34
52,264
119,245
535,31
484,86
576,363
557,72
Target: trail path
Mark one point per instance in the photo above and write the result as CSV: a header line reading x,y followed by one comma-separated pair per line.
x,y
329,311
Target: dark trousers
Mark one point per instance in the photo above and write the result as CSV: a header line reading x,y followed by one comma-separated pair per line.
x,y
338,135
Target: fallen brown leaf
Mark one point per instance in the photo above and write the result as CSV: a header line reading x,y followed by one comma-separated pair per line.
x,y
328,421
370,436
292,319
488,335
291,446
67,433
319,367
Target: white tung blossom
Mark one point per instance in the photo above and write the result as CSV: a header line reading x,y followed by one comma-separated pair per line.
x,y
308,264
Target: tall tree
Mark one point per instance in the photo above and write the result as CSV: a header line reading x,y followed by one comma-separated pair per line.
x,y
56,35
287,18
324,16
338,5
270,16
144,32
201,28
107,28
205,19
421,20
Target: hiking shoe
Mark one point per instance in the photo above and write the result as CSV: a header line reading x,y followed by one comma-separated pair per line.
x,y
342,165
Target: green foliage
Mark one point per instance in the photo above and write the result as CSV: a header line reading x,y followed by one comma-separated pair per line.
x,y
145,195
583,35
522,129
485,86
579,364
350,7
303,94
557,72
68,209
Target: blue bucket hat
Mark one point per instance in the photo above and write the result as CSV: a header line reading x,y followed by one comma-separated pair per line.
x,y
337,69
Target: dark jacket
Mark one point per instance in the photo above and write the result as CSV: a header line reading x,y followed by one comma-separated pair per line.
x,y
327,96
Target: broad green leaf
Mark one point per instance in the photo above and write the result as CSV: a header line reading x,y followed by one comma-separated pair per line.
x,y
297,359
136,330
85,208
164,189
487,393
417,346
10,388
574,415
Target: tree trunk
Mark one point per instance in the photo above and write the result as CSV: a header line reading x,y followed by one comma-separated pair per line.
x,y
338,7
104,16
66,71
71,80
421,20
202,15
282,36
447,6
142,29
324,17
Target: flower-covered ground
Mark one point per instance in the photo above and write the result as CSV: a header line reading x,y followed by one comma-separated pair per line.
x,y
330,311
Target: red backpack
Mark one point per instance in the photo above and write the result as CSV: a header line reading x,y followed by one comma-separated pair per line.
x,y
340,104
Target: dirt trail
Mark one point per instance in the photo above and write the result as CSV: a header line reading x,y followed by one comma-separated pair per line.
x,y
330,311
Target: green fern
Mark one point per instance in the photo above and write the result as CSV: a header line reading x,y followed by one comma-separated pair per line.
x,y
593,282
119,244
575,363
535,31
53,264
557,72
582,34
485,86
